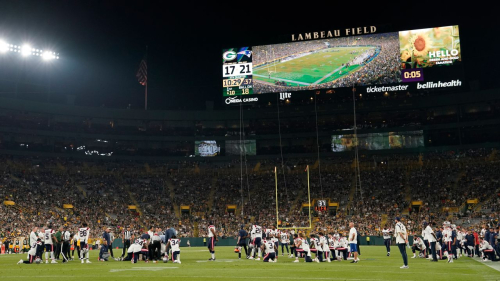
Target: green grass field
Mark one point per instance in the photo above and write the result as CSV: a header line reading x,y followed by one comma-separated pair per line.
x,y
374,265
316,68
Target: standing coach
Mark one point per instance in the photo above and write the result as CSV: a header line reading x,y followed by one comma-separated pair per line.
x,y
401,240
432,239
105,244
242,241
169,233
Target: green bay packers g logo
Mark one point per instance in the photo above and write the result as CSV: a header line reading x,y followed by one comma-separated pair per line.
x,y
229,55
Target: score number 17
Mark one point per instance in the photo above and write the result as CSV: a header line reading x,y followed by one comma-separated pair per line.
x,y
237,69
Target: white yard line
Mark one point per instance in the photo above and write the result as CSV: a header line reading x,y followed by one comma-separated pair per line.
x,y
281,79
494,265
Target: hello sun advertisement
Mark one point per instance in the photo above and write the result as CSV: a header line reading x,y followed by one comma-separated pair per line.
x,y
428,48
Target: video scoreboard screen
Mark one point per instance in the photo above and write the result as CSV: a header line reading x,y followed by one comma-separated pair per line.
x,y
426,58
237,71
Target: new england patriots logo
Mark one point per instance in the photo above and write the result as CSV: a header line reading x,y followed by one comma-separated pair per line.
x,y
246,53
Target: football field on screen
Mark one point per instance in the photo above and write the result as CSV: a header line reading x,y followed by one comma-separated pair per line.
x,y
315,68
373,265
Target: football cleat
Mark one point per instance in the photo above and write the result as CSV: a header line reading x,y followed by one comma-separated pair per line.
x,y
88,261
296,261
20,261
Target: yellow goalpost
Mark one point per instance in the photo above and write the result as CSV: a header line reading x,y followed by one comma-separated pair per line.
x,y
308,197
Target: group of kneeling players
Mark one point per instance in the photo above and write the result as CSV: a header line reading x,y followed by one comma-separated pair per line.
x,y
451,242
264,243
139,246
447,243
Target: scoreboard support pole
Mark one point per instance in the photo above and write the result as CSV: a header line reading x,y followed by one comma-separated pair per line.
x,y
308,198
276,183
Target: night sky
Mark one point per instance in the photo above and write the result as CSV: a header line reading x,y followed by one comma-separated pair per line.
x,y
101,43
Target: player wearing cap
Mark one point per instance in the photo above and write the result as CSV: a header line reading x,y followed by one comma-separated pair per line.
x,y
401,240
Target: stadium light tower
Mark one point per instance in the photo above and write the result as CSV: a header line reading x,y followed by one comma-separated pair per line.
x,y
27,50
4,47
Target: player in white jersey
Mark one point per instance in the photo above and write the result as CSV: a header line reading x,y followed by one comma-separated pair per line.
x,y
33,236
212,238
84,234
134,250
176,251
269,248
340,245
49,240
418,245
34,252
316,247
323,240
257,240
486,250
275,236
303,246
284,240
447,238
386,234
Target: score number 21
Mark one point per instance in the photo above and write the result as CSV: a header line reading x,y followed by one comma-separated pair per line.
x,y
237,69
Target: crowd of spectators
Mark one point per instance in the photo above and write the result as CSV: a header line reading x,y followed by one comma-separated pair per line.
x,y
101,193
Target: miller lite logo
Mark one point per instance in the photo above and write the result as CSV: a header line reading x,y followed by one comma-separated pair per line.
x,y
284,96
